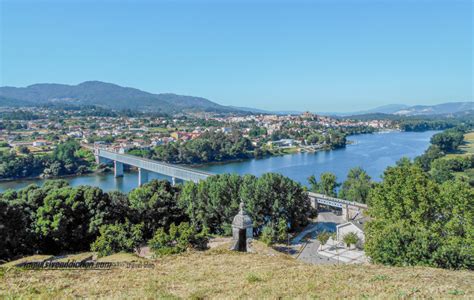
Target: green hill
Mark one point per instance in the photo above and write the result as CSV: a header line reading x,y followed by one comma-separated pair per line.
x,y
107,95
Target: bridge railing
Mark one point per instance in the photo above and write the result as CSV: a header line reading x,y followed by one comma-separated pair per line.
x,y
323,199
155,166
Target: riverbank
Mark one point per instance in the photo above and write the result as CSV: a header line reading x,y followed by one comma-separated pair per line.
x,y
36,178
372,152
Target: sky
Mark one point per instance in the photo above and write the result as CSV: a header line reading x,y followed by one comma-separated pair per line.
x,y
322,56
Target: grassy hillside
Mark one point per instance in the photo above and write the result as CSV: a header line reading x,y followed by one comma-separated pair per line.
x,y
220,273
466,149
107,95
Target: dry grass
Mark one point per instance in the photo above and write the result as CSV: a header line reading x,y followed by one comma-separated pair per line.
x,y
219,273
467,148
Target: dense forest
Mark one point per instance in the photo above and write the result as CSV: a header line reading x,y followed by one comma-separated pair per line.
x,y
58,218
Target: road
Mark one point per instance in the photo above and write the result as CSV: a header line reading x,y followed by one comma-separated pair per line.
x,y
326,221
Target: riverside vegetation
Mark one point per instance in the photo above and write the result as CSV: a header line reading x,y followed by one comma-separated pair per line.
x,y
417,221
66,159
417,218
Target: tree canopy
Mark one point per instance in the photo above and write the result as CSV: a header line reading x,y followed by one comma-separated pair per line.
x,y
417,221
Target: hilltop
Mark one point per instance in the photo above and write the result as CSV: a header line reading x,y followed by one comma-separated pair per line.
x,y
220,273
113,96
107,95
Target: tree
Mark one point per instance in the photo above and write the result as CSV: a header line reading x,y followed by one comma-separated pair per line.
x,y
425,160
441,170
178,239
357,186
69,218
16,237
419,222
156,205
327,184
118,237
23,150
448,140
214,202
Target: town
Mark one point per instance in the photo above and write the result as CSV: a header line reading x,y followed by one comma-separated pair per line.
x,y
38,130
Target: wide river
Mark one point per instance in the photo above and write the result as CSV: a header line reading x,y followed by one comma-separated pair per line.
x,y
372,152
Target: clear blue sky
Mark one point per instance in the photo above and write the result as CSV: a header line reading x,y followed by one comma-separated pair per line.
x,y
283,55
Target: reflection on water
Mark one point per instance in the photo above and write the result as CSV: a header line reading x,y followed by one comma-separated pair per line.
x,y
372,152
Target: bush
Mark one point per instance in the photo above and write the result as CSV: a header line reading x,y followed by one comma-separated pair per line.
x,y
267,235
178,239
118,238
282,231
350,239
323,237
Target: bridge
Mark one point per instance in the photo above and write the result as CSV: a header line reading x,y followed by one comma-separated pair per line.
x,y
350,209
145,166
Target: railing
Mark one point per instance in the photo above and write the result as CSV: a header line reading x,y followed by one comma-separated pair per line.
x,y
155,166
335,202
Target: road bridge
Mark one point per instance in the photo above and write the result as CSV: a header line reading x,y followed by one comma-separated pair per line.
x,y
350,209
145,166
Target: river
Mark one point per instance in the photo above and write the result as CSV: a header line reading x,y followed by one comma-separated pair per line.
x,y
372,152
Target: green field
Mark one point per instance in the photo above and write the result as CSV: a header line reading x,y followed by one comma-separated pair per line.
x,y
469,146
466,149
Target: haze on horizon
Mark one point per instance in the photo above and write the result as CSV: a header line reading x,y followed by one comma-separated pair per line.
x,y
318,56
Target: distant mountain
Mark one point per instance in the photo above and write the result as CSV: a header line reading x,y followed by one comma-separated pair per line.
x,y
444,108
405,110
10,102
113,96
263,111
108,95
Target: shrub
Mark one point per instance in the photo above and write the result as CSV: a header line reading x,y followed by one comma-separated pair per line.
x,y
323,238
178,239
267,235
282,231
350,239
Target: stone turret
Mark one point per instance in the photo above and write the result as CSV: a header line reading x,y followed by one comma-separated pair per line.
x,y
242,231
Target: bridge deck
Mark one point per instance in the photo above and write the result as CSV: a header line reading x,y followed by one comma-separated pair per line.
x,y
196,175
155,166
335,202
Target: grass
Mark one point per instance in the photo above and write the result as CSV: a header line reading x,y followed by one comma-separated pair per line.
x,y
467,148
220,273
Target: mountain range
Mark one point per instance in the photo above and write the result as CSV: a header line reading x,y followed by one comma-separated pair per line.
x,y
113,96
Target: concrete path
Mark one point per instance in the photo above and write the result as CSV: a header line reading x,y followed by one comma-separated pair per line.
x,y
308,250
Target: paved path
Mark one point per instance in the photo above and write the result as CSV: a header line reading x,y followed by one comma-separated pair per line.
x,y
326,221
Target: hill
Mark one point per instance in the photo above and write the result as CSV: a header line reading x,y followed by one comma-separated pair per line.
x,y
220,273
448,108
108,95
444,108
